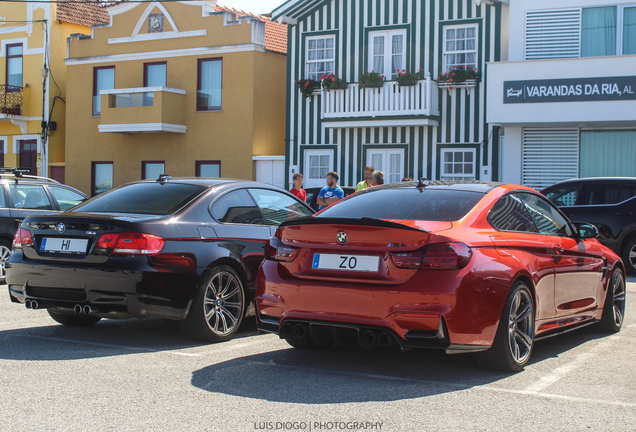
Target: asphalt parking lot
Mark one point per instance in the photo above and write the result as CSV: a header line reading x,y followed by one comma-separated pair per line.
x,y
143,375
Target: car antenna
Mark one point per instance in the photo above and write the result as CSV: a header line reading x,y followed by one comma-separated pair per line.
x,y
423,184
163,179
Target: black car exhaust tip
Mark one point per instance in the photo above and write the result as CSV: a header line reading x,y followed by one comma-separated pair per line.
x,y
287,330
87,310
368,338
27,304
300,330
34,304
385,340
78,309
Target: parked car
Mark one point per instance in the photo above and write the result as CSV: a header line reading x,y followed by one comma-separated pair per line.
x,y
312,195
25,195
182,249
463,267
607,203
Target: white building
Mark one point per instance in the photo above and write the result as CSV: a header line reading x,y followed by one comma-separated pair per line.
x,y
566,97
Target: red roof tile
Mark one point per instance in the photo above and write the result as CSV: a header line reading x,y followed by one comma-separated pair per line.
x,y
275,34
81,13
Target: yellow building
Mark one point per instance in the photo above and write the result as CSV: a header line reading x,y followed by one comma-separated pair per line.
x,y
185,88
33,80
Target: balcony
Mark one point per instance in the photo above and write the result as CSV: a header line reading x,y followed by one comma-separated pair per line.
x,y
142,110
389,105
14,106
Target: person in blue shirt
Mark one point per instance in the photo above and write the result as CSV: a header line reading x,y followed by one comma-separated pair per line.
x,y
330,193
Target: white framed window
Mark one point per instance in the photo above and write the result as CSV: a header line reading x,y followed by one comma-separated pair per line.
x,y
459,164
460,46
320,57
318,163
387,52
389,161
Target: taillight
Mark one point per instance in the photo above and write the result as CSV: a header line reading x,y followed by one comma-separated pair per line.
x,y
22,237
276,251
438,256
132,243
442,256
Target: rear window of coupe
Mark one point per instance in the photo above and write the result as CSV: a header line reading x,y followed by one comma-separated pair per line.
x,y
407,204
143,198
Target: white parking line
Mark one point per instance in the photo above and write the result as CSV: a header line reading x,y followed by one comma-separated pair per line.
x,y
558,373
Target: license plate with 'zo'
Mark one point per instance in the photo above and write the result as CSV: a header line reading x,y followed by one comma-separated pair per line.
x,y
360,263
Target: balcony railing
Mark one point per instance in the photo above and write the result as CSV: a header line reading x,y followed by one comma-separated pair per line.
x,y
421,99
11,100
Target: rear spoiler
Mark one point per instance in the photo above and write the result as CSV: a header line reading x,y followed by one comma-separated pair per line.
x,y
364,221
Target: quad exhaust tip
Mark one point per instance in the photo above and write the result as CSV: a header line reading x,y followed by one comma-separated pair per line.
x,y
27,304
87,310
31,304
79,309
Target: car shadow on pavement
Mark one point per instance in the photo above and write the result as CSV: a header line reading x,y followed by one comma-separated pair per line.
x,y
342,375
106,339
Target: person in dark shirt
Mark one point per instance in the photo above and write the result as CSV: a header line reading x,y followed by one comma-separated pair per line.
x,y
298,190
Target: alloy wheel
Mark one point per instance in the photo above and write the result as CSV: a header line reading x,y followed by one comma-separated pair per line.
x,y
618,288
223,303
632,257
521,326
5,254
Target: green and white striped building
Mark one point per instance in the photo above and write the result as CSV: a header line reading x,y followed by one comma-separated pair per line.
x,y
417,131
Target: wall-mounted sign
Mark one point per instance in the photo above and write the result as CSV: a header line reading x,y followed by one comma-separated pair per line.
x,y
155,23
570,90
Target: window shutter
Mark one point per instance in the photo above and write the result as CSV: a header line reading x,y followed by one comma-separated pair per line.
x,y
549,156
553,34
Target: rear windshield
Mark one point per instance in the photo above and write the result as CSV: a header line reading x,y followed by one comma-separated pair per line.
x,y
143,198
407,204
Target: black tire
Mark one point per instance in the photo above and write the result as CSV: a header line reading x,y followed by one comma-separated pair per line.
x,y
502,356
614,308
196,325
630,261
73,320
5,246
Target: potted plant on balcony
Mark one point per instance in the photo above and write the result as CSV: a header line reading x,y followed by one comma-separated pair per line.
x,y
405,78
459,76
372,80
332,82
308,86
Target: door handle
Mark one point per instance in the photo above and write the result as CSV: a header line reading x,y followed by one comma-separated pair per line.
x,y
558,249
624,214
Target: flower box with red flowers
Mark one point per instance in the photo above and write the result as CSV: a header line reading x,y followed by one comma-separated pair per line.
x,y
405,79
371,80
332,82
459,76
308,86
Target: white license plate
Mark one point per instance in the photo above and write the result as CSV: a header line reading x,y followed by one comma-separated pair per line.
x,y
360,263
61,245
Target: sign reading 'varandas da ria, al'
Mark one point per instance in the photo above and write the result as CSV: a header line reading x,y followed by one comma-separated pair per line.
x,y
570,90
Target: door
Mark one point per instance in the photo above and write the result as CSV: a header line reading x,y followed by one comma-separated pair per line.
x,y
318,163
29,156
578,264
271,172
391,162
28,200
58,174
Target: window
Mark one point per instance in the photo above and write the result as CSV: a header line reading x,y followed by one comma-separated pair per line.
x,y
14,65
277,207
460,47
102,177
208,169
564,196
598,31
387,54
390,162
66,198
103,79
321,56
30,197
155,74
151,198
210,84
429,205
604,193
509,214
237,207
3,199
628,191
458,164
546,217
152,170
318,163
629,30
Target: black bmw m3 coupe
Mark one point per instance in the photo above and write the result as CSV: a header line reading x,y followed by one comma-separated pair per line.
x,y
182,249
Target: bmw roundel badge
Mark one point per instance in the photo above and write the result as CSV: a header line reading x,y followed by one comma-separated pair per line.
x,y
342,238
61,227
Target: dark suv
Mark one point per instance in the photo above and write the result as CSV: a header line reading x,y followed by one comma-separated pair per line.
x,y
24,195
608,203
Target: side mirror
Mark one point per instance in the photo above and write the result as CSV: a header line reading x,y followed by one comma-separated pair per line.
x,y
587,231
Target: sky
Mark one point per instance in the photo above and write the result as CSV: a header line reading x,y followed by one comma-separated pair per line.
x,y
254,6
